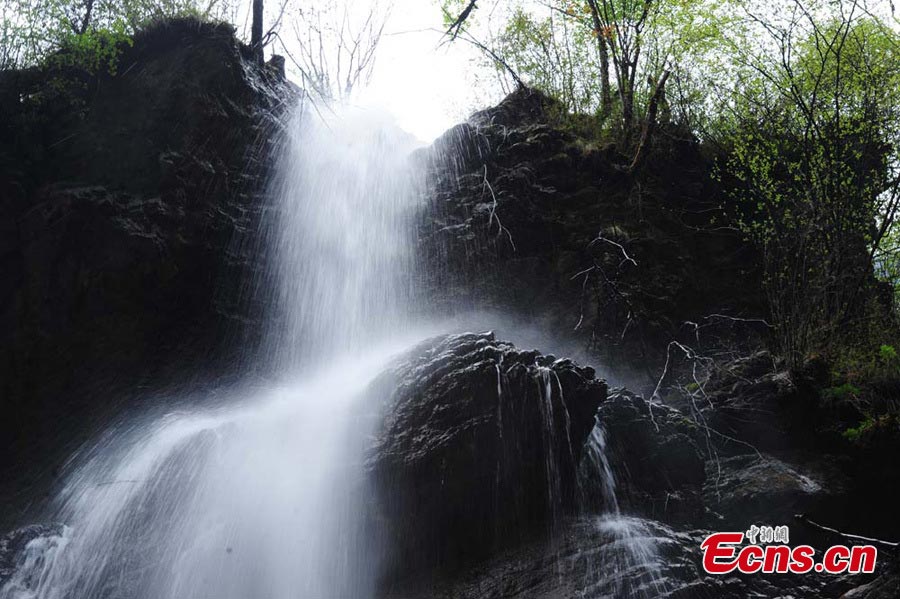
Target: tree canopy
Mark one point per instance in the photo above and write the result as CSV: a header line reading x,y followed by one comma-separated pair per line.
x,y
31,29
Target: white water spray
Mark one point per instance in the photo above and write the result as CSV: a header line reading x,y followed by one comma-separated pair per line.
x,y
627,565
343,238
262,499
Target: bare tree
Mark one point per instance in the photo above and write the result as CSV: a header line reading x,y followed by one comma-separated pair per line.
x,y
336,49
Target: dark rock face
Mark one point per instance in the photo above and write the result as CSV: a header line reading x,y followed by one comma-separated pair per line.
x,y
755,400
761,488
128,215
886,586
656,457
590,557
529,217
462,477
621,558
478,448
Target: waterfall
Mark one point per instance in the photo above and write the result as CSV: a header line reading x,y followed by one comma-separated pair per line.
x,y
262,496
627,563
342,235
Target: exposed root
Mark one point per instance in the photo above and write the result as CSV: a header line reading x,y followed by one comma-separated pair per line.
x,y
493,215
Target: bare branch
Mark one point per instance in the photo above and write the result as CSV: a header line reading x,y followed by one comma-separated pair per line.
x,y
456,27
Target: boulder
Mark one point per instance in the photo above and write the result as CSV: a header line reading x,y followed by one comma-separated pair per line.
x,y
885,586
478,448
761,489
655,455
754,403
14,543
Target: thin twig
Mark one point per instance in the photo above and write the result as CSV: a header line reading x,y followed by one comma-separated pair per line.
x,y
892,545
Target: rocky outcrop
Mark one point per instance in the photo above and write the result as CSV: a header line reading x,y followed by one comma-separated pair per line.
x,y
14,544
530,217
128,211
761,488
590,557
886,586
755,400
619,557
656,457
478,449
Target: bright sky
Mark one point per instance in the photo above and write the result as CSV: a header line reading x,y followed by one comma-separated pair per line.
x,y
426,86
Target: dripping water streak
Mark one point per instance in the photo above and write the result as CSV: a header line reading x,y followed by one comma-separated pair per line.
x,y
627,563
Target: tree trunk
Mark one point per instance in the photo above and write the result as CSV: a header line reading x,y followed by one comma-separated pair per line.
x,y
650,125
256,31
605,96
627,111
629,70
86,21
603,50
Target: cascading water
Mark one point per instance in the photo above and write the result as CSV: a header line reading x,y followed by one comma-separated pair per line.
x,y
261,498
626,564
343,234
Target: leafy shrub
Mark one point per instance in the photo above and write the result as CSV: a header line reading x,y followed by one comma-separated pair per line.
x,y
870,426
842,392
889,358
854,433
93,51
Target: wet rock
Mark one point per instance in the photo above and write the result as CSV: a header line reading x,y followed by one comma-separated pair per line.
x,y
478,448
754,404
518,197
621,557
655,455
12,545
761,489
885,586
590,557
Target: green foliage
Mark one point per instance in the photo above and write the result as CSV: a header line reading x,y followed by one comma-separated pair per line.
x,y
813,147
554,54
558,47
841,392
870,426
90,31
854,433
92,51
889,357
